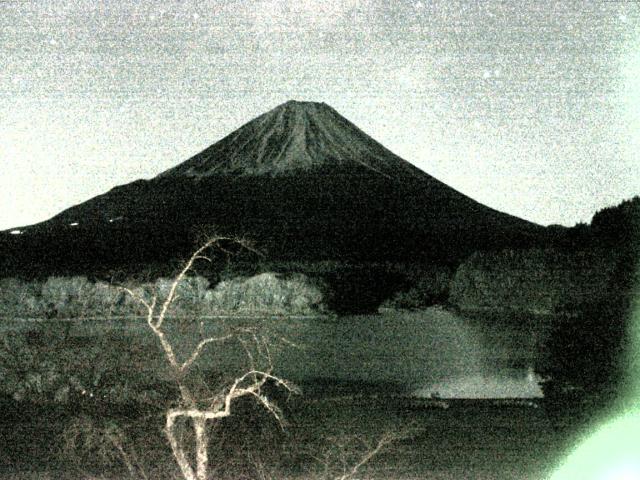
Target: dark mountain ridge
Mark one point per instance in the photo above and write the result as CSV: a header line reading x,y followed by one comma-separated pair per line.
x,y
300,180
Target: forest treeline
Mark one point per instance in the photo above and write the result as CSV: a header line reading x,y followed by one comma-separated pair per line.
x,y
583,265
78,297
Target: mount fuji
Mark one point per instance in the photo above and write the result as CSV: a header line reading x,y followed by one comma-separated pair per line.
x,y
300,180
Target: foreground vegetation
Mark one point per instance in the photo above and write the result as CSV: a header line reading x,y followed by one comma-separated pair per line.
x,y
322,439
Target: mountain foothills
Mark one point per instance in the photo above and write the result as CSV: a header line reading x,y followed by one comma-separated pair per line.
x,y
301,181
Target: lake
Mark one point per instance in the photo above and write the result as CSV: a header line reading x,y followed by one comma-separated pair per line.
x,y
423,353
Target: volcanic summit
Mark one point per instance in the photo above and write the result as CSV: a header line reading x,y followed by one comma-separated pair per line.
x,y
292,138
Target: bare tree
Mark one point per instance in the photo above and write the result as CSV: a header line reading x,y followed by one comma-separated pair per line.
x,y
193,406
342,457
83,436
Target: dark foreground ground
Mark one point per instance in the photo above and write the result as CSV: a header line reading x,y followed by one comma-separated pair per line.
x,y
467,440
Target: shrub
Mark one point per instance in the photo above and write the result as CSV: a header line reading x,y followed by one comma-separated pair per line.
x,y
96,445
29,374
20,298
534,280
266,292
191,293
428,288
68,296
107,299
76,297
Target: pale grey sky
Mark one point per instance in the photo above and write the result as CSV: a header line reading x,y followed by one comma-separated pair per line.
x,y
532,108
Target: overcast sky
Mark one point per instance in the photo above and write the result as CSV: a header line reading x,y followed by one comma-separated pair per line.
x,y
532,108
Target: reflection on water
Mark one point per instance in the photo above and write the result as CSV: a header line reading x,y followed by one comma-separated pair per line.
x,y
431,352
510,383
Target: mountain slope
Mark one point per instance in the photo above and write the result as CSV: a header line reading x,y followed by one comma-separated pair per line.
x,y
292,138
300,180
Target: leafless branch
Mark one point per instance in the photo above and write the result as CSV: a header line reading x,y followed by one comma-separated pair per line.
x,y
383,441
250,383
198,350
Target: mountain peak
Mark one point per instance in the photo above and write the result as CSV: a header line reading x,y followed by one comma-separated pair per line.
x,y
296,136
302,104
